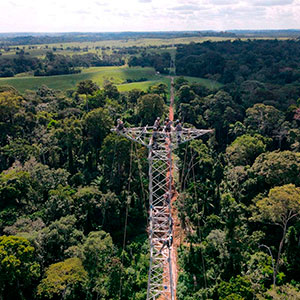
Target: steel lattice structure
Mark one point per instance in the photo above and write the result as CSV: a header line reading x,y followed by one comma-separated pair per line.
x,y
160,279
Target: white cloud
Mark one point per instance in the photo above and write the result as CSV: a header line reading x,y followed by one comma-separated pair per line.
x,y
272,2
101,3
147,15
223,2
188,7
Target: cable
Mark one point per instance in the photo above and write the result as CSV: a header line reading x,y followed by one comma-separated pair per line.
x,y
126,215
195,194
142,186
190,166
182,173
113,161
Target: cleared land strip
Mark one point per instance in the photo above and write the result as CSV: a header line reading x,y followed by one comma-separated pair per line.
x,y
117,75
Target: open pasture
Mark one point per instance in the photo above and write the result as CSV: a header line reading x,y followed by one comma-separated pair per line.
x,y
118,75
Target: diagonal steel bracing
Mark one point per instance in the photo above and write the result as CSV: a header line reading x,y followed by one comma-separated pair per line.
x,y
160,279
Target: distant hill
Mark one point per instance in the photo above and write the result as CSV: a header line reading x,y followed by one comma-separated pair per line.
x,y
267,33
9,39
33,38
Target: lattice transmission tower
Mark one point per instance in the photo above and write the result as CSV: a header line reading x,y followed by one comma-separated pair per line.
x,y
161,284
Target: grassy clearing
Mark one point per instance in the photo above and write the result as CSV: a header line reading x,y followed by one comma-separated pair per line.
x,y
117,75
210,84
144,85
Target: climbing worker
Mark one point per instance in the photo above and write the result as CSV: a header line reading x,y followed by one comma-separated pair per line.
x,y
166,121
120,125
171,224
155,138
167,243
157,123
170,241
167,198
178,130
168,124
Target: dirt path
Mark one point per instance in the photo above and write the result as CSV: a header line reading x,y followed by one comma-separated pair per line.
x,y
171,110
176,222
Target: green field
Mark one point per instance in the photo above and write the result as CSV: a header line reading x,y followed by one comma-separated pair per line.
x,y
210,84
117,75
100,75
40,50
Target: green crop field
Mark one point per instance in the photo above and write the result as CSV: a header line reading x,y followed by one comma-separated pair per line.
x,y
117,75
144,85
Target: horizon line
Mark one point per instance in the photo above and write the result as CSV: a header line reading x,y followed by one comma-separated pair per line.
x,y
148,31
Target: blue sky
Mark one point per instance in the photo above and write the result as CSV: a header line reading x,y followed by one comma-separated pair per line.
x,y
147,15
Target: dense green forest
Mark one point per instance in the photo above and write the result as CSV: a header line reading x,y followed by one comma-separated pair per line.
x,y
270,61
73,195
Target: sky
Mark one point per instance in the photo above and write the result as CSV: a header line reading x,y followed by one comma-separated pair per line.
x,y
147,15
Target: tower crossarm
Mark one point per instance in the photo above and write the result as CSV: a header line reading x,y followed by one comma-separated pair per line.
x,y
141,135
188,134
144,135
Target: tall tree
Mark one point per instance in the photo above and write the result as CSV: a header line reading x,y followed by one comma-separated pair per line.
x,y
245,149
150,107
102,265
264,119
18,267
64,280
280,207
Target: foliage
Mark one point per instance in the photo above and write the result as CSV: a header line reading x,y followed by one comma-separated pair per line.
x,y
246,60
18,265
160,62
276,168
259,271
87,87
236,288
97,124
284,292
264,119
103,268
149,107
64,279
245,149
58,237
280,207
53,64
